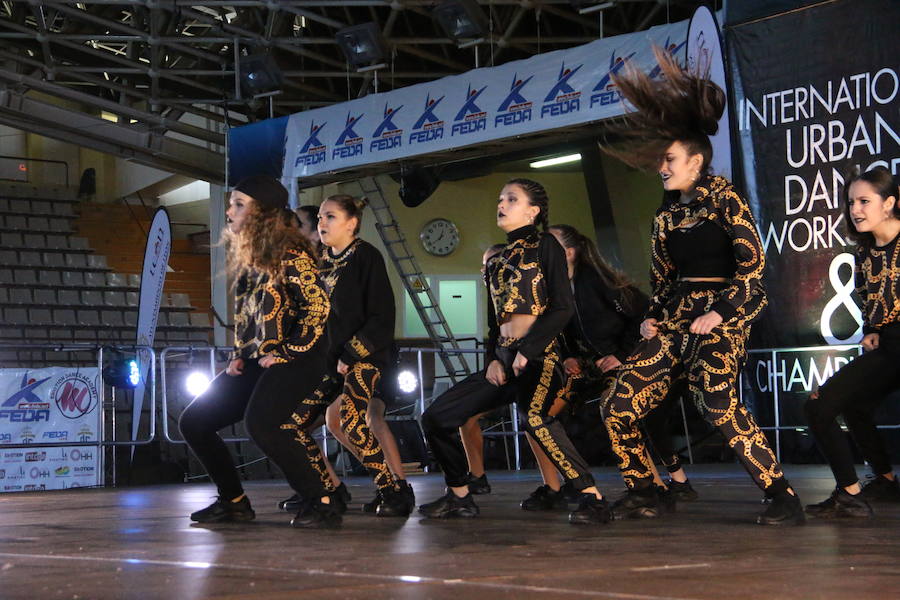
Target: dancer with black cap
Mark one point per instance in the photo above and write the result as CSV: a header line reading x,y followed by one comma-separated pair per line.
x,y
281,308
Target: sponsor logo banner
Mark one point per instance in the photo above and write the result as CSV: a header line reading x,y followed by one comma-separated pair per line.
x,y
547,91
35,469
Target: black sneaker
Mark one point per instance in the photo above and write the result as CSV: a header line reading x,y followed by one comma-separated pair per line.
x,y
223,510
313,514
479,485
667,499
544,498
637,504
881,489
591,511
682,491
372,506
572,494
393,504
784,509
840,504
291,504
409,495
450,505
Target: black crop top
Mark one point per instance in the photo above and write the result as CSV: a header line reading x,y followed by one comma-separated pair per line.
x,y
529,276
878,284
704,250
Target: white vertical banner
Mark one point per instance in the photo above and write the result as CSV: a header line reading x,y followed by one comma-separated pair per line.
x,y
704,53
153,277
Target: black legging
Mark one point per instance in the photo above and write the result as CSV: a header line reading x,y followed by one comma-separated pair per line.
x,y
854,392
264,399
535,392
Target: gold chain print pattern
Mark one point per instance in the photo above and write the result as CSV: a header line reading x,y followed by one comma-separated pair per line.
x,y
878,284
710,363
515,278
302,421
359,387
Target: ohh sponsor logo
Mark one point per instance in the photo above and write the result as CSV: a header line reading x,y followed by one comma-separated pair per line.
x,y
75,395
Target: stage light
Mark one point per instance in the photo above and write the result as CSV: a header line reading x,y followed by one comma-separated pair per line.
x,y
196,383
259,75
361,44
407,382
585,7
122,373
559,160
461,19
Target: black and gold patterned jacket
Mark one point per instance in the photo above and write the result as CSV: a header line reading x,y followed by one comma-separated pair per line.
x,y
718,202
361,326
529,276
878,284
283,319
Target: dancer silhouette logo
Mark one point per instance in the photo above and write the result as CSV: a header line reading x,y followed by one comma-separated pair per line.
x,y
25,406
562,97
313,150
515,108
470,118
605,92
387,135
349,143
428,127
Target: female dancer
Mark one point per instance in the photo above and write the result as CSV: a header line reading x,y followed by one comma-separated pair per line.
x,y
360,331
873,222
530,303
308,221
281,308
707,264
599,338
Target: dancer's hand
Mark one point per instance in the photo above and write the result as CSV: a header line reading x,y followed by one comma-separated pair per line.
x,y
572,366
342,368
267,361
870,342
608,363
705,322
649,329
496,374
519,364
235,367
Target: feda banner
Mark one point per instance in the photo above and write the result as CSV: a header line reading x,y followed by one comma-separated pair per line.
x,y
547,91
816,91
51,405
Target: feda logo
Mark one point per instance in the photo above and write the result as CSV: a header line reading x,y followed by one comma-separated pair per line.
x,y
349,143
470,118
562,97
670,47
605,91
429,126
25,406
75,395
5,438
387,135
515,108
313,150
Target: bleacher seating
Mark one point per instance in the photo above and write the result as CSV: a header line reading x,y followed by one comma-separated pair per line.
x,y
55,289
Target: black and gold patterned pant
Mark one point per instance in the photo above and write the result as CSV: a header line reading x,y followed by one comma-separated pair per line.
x,y
354,396
710,364
535,390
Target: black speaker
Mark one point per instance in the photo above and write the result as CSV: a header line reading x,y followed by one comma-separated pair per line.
x,y
417,184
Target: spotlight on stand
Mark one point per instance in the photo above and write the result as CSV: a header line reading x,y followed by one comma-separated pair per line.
x,y
259,75
122,372
362,44
461,19
196,383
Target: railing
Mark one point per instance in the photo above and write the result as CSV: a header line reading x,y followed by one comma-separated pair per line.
x,y
19,165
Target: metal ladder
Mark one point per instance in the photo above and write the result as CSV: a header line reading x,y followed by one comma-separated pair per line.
x,y
414,281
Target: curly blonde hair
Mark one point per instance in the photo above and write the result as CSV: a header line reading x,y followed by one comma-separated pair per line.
x,y
262,242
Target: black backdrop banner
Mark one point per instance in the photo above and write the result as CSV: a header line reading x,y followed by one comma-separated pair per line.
x,y
816,90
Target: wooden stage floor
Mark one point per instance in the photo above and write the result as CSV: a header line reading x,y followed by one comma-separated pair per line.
x,y
138,543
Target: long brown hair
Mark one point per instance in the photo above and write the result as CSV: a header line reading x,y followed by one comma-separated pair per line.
x,y
587,256
680,106
885,185
264,239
